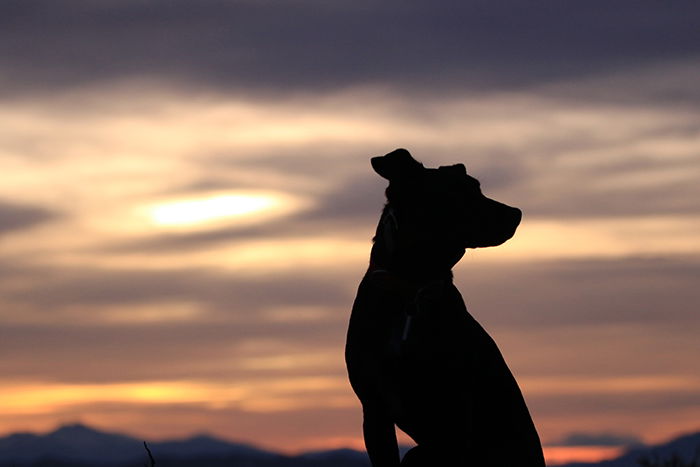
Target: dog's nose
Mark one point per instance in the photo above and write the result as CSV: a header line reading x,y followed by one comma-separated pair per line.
x,y
517,216
513,217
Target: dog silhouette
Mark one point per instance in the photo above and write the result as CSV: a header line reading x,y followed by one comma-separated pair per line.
x,y
415,357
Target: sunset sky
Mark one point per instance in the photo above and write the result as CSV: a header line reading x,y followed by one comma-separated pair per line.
x,y
187,206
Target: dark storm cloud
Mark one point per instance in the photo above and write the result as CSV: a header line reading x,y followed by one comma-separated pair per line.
x,y
316,45
14,217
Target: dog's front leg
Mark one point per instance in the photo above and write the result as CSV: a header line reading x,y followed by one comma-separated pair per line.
x,y
380,436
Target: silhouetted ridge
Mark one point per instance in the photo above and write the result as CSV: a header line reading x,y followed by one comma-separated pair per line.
x,y
78,445
32,450
205,445
686,446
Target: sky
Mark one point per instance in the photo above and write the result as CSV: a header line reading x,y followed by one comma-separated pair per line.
x,y
187,207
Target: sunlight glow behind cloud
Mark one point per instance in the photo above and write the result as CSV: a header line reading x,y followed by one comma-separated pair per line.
x,y
195,211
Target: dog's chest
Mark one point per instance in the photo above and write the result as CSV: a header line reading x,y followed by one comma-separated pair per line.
x,y
420,328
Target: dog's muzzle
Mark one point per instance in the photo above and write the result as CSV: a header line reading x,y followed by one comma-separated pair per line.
x,y
493,224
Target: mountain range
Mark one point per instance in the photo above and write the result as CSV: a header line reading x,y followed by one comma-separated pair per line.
x,y
78,445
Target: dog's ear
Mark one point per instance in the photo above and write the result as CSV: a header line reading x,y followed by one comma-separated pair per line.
x,y
396,164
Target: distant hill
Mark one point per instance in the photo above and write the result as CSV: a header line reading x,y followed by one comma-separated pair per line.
x,y
686,446
81,446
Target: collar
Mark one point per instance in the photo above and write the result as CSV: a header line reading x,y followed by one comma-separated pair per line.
x,y
407,287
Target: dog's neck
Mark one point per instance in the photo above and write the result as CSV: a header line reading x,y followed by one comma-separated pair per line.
x,y
408,254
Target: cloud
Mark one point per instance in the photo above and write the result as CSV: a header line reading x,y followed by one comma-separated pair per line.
x,y
16,217
169,350
352,206
603,292
219,291
361,198
548,317
310,45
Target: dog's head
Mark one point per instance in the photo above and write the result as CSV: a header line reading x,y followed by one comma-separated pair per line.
x,y
443,205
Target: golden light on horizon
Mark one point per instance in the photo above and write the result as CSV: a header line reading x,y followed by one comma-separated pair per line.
x,y
558,455
262,395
